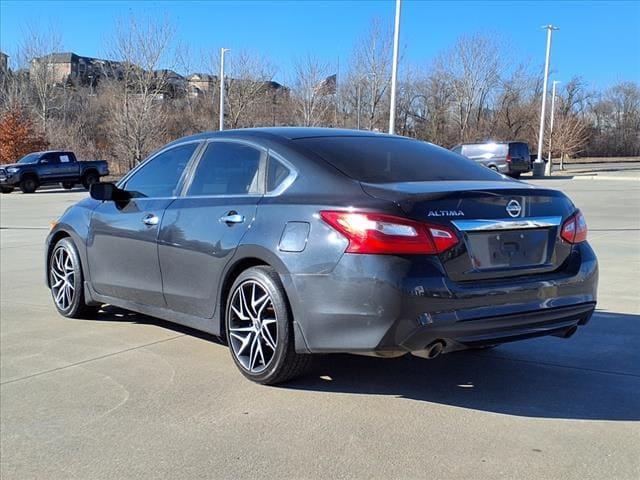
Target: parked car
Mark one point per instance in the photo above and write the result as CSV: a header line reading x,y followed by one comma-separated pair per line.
x,y
54,166
292,241
510,158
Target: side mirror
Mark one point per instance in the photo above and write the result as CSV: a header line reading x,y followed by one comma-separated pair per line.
x,y
107,192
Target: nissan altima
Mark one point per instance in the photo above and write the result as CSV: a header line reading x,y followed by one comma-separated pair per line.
x,y
287,242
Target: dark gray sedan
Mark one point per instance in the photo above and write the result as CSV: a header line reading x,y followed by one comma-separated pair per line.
x,y
290,241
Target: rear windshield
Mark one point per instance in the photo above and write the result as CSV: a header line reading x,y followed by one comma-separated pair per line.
x,y
519,149
389,160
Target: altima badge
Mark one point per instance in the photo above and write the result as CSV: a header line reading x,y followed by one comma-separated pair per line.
x,y
514,208
445,213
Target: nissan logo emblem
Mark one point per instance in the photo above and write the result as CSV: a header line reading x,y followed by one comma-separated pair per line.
x,y
514,208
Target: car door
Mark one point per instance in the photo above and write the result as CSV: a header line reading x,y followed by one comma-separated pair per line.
x,y
202,229
122,241
48,167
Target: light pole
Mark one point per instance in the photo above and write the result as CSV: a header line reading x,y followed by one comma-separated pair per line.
x,y
394,70
553,105
538,165
222,52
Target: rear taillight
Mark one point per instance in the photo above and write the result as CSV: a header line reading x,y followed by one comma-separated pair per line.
x,y
574,229
508,157
377,233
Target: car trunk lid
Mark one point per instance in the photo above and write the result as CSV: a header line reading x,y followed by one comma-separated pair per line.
x,y
506,228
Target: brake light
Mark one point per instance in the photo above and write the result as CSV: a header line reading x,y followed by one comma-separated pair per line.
x,y
574,229
376,233
508,157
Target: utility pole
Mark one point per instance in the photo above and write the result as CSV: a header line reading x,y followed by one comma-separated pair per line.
x,y
549,167
358,93
538,165
394,70
222,52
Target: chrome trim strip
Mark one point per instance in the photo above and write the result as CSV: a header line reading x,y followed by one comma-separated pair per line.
x,y
507,224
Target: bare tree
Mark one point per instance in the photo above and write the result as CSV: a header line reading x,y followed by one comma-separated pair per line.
x,y
35,51
371,67
311,103
247,87
473,66
138,119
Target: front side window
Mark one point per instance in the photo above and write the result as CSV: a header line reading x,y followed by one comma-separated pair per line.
x,y
227,168
160,176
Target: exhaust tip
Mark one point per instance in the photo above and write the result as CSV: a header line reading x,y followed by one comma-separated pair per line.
x,y
434,349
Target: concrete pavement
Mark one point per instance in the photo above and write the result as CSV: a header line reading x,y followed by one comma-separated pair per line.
x,y
127,396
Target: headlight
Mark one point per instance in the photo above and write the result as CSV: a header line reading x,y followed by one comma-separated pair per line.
x,y
12,170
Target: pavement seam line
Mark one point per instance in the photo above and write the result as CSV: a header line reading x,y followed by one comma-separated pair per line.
x,y
82,362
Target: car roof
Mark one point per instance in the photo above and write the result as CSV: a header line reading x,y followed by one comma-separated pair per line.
x,y
285,133
50,151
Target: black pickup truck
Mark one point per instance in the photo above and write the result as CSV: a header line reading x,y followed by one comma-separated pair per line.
x,y
54,166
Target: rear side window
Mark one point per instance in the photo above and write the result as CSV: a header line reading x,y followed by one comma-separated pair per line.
x,y
394,159
519,149
227,168
276,174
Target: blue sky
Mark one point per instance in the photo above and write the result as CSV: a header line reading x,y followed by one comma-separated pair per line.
x,y
599,41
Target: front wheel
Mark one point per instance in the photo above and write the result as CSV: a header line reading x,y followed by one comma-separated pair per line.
x,y
259,328
66,280
29,185
68,185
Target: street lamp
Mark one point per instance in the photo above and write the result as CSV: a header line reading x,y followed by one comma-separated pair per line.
x,y
394,70
222,52
553,104
538,165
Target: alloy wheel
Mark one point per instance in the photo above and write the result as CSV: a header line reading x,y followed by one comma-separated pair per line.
x,y
253,326
62,276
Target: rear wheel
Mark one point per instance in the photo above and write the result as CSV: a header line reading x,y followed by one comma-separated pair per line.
x,y
259,328
515,175
29,184
66,281
89,179
6,189
68,185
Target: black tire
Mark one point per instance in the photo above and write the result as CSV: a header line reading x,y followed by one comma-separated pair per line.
x,y
68,185
75,306
6,189
29,184
494,168
89,179
515,175
284,363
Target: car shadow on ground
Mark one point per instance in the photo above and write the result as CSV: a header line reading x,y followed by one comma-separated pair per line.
x,y
580,378
595,375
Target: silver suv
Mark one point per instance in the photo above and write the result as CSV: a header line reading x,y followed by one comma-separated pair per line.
x,y
510,158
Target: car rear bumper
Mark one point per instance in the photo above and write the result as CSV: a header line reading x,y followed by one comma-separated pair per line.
x,y
390,305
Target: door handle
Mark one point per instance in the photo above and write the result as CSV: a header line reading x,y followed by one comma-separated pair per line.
x,y
150,220
232,217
